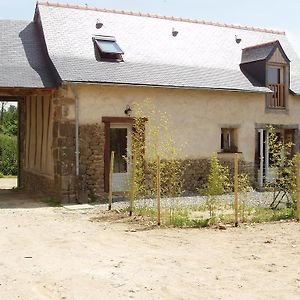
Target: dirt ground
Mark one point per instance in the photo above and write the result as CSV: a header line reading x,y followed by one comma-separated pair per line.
x,y
59,253
8,182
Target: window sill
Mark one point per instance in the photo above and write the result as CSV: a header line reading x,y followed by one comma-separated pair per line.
x,y
229,152
277,110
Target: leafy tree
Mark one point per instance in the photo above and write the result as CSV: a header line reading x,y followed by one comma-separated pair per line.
x,y
8,139
9,121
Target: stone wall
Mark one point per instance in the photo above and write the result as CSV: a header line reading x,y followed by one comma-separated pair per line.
x,y
92,161
64,160
39,184
62,183
197,171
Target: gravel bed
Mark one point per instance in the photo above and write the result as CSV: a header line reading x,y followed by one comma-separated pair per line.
x,y
251,199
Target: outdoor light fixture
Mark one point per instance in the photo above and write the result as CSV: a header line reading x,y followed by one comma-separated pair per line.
x,y
98,24
237,39
128,110
174,32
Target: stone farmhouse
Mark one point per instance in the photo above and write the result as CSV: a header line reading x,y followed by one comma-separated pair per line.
x,y
77,70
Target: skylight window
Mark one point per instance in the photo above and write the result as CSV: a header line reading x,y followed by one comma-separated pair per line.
x,y
108,48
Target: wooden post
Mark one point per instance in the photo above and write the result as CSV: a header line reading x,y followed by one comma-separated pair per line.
x,y
111,169
132,185
236,174
298,188
158,189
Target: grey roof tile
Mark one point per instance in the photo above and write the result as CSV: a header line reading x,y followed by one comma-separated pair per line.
x,y
257,52
22,60
201,56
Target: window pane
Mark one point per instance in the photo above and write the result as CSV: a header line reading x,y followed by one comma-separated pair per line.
x,y
273,75
228,142
109,47
118,144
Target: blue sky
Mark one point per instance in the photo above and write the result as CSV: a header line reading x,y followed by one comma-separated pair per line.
x,y
283,15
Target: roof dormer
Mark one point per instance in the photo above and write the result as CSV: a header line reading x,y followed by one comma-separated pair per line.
x,y
267,65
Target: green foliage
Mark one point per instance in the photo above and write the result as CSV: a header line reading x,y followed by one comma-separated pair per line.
x,y
218,179
283,161
8,139
218,184
152,138
175,217
260,215
9,121
8,155
243,188
1,175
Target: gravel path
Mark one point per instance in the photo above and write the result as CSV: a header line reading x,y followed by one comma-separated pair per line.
x,y
251,199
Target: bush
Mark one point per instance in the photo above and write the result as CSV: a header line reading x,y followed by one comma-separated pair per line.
x,y
8,155
218,179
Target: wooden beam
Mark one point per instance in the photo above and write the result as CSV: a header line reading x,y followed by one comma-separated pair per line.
x,y
19,92
117,120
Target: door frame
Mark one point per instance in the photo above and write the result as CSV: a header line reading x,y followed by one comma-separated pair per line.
x,y
262,158
125,175
107,125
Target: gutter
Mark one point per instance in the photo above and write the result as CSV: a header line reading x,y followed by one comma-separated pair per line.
x,y
261,90
77,143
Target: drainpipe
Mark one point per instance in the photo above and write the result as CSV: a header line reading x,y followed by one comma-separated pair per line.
x,y
76,139
261,158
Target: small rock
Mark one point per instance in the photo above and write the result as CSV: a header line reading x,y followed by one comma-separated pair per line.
x,y
222,227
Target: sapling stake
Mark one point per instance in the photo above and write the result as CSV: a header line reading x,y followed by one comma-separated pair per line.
x,y
236,173
158,189
111,169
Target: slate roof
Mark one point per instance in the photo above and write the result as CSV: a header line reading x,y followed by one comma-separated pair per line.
x,y
260,52
22,60
200,56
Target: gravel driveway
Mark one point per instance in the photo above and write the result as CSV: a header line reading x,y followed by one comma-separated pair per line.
x,y
8,183
59,253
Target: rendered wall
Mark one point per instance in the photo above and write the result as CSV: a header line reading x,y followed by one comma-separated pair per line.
x,y
195,116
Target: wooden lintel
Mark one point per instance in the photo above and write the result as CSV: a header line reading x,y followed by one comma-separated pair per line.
x,y
126,120
21,92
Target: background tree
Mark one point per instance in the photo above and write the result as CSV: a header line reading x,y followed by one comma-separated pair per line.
x,y
8,139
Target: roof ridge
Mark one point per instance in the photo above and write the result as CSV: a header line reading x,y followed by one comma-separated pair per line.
x,y
171,18
262,45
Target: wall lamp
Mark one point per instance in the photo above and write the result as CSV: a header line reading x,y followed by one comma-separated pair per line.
x,y
128,110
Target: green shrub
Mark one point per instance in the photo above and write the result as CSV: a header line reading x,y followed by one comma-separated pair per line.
x,y
218,179
8,154
1,175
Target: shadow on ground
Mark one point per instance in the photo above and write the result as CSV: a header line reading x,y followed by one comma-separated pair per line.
x,y
19,199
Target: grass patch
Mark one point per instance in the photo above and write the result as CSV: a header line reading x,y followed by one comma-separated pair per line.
x,y
268,215
198,216
52,202
178,217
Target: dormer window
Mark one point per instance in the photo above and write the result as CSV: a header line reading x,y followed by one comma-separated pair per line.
x,y
108,49
267,65
276,83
